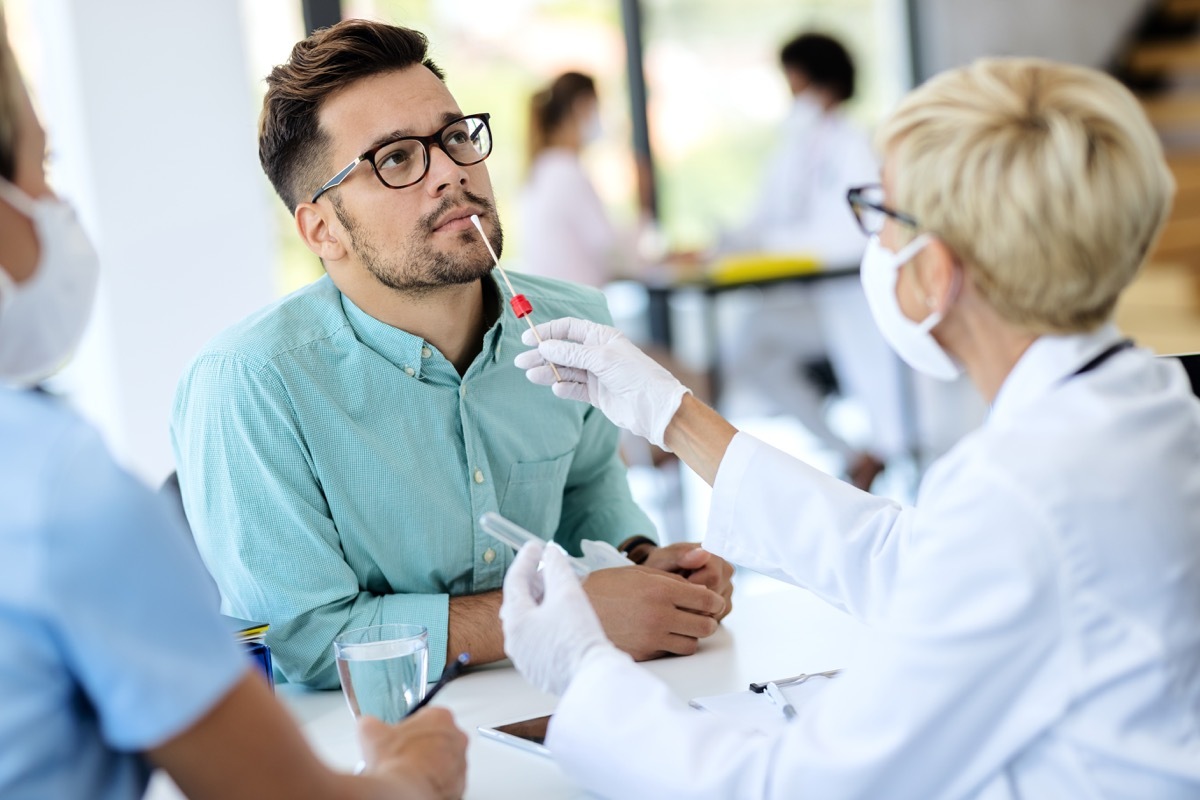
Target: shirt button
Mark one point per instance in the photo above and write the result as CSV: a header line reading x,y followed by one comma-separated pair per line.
x,y
479,476
489,556
409,371
426,352
462,390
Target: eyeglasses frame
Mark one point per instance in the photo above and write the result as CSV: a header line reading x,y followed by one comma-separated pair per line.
x,y
432,140
855,198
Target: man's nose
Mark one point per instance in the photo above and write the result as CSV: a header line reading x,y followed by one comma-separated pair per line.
x,y
443,172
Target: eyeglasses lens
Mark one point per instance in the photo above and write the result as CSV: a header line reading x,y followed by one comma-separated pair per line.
x,y
467,141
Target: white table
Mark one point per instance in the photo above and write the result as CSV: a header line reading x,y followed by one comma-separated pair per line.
x,y
774,631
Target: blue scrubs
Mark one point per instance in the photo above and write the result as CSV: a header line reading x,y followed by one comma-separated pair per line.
x,y
110,641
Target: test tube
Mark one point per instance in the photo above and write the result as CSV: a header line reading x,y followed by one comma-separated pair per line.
x,y
514,536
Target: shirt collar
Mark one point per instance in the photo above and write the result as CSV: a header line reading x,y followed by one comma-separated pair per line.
x,y
405,350
493,296
1048,361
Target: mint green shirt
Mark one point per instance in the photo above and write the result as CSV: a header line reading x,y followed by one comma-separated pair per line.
x,y
333,468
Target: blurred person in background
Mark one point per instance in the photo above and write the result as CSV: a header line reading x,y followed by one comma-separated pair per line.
x,y
566,232
802,211
1033,616
114,661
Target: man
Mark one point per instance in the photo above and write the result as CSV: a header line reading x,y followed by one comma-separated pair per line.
x,y
114,661
336,450
802,210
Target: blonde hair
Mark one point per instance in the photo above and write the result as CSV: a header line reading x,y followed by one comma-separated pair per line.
x,y
1046,179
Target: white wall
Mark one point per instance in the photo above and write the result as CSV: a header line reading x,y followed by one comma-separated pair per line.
x,y
951,33
151,116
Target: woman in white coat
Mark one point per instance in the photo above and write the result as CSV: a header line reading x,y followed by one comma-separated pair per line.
x,y
565,231
1036,615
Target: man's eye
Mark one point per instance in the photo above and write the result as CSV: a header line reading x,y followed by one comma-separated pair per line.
x,y
396,158
456,138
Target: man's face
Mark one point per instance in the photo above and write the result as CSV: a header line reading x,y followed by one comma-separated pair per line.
x,y
419,237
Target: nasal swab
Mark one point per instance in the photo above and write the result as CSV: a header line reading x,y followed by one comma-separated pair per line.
x,y
520,305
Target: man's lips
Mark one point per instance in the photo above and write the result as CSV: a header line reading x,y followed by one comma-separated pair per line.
x,y
457,220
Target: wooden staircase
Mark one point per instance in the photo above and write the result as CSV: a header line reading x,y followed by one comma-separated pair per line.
x,y
1162,308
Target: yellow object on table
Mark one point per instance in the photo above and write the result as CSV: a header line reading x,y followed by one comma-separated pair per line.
x,y
745,267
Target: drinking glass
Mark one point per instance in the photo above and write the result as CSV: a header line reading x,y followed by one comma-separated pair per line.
x,y
383,669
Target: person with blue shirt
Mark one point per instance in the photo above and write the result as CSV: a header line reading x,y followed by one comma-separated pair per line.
x,y
336,449
114,661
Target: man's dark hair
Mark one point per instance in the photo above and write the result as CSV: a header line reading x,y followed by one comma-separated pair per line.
x,y
291,145
823,60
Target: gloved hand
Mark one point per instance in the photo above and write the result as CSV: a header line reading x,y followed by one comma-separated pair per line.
x,y
600,366
550,628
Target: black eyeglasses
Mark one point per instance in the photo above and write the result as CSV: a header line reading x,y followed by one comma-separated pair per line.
x,y
867,204
405,160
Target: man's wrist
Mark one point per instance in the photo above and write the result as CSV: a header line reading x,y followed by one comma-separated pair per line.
x,y
638,548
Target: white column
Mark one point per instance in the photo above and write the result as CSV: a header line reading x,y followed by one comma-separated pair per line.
x,y
152,118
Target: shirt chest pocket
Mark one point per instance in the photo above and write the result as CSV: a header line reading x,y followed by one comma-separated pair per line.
x,y
533,496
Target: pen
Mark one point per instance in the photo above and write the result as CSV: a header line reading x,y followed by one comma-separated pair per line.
x,y
448,674
759,688
776,695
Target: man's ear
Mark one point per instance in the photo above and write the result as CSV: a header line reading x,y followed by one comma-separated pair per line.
x,y
322,233
938,275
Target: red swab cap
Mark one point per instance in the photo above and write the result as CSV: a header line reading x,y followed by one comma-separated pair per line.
x,y
521,306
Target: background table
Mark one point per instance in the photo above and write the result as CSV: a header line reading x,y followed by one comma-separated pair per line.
x,y
659,292
774,631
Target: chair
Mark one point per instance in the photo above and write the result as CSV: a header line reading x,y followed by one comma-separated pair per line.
x,y
174,495
1191,363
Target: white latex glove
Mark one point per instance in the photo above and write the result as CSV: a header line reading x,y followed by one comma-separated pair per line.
x,y
600,366
602,555
549,625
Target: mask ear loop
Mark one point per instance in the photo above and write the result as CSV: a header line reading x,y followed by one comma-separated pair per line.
x,y
936,315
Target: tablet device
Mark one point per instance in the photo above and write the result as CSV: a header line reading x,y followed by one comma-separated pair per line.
x,y
526,734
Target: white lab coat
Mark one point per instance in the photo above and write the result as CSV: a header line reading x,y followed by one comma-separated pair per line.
x,y
565,231
1035,618
802,210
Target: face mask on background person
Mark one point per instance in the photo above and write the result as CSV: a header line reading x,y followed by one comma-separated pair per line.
x,y
592,128
806,109
42,319
912,341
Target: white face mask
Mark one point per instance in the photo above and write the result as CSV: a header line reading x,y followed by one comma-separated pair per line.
x,y
42,319
912,341
806,110
592,128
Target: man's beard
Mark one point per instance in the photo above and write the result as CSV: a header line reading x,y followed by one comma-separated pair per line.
x,y
423,269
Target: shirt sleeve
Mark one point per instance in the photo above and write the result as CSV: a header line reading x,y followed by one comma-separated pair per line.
x,y
841,543
963,676
129,601
264,528
597,502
